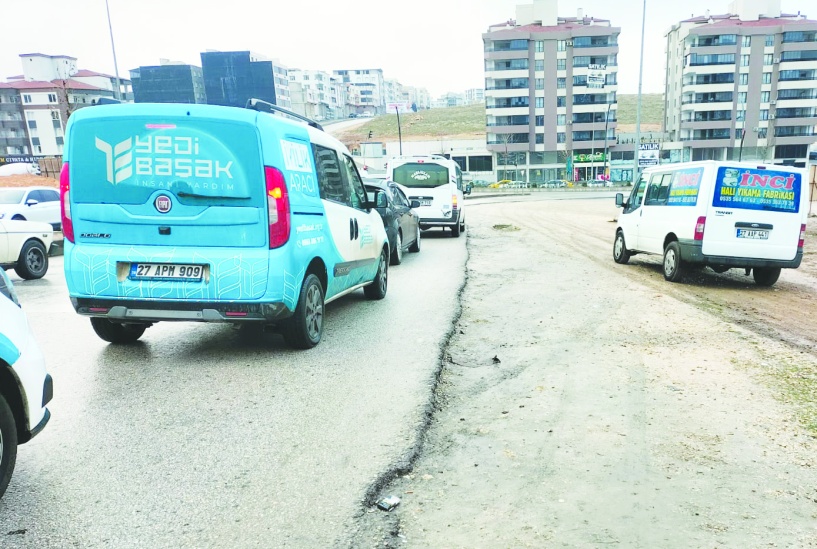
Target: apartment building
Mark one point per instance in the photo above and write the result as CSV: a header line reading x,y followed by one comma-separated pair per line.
x,y
233,77
743,85
365,88
168,82
550,94
319,94
35,106
474,96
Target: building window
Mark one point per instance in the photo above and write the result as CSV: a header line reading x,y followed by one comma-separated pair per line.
x,y
561,119
35,141
765,96
747,41
561,83
744,79
540,83
741,97
540,46
768,59
32,124
561,101
55,115
767,78
52,98
539,65
561,45
764,114
540,120
60,141
561,64
26,98
57,125
744,60
540,138
560,137
540,102
741,115
769,40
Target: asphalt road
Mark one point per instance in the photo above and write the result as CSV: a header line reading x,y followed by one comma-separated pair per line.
x,y
203,436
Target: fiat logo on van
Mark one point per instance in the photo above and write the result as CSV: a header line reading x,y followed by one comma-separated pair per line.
x,y
163,203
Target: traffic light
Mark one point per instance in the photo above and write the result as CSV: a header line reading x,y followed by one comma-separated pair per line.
x,y
370,134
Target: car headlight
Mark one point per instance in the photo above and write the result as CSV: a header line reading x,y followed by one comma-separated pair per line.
x,y
7,288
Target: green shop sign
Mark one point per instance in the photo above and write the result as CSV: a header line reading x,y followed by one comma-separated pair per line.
x,y
595,157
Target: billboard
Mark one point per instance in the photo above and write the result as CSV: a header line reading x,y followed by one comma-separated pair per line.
x,y
648,154
596,76
398,106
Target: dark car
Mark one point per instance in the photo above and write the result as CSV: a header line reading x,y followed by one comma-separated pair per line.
x,y
401,222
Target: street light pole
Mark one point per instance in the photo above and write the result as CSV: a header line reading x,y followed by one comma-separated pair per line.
x,y
638,108
399,131
118,92
606,125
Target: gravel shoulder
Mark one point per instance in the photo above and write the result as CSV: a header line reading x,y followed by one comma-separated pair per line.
x,y
587,404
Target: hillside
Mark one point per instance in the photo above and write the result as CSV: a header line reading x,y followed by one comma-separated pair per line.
x,y
469,122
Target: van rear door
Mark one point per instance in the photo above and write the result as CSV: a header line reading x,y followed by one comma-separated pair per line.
x,y
755,213
181,184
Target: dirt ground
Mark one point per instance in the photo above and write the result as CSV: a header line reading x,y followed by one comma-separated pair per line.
x,y
588,404
27,181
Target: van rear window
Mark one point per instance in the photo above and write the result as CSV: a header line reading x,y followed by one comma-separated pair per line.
x,y
421,174
752,189
124,163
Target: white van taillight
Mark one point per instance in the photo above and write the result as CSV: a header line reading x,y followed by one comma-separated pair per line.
x,y
65,205
700,225
802,240
278,207
454,202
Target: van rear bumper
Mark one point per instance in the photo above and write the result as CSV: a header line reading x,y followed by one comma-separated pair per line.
x,y
428,222
691,253
129,310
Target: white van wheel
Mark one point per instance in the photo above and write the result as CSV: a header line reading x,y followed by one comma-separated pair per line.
x,y
766,276
673,268
8,444
620,252
455,230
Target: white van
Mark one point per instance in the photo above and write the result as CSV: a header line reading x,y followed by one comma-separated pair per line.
x,y
716,214
436,182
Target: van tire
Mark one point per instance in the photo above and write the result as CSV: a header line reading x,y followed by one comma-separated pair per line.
x,y
8,444
621,254
415,246
766,276
116,332
33,261
672,265
303,330
397,252
377,289
455,230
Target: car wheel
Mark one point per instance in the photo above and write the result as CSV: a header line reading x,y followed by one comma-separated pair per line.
x,y
415,246
766,276
116,332
397,252
303,330
8,444
377,289
33,260
673,268
620,252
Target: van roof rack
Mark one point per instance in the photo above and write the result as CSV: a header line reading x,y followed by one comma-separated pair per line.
x,y
265,106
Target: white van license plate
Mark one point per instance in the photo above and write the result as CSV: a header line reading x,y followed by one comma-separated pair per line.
x,y
165,271
425,202
753,234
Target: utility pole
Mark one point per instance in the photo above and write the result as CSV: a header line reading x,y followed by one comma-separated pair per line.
x,y
118,92
606,125
399,131
638,108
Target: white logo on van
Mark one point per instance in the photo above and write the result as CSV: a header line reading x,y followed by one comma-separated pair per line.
x,y
160,156
297,157
420,175
118,159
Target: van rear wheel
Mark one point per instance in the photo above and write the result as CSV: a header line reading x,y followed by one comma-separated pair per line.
x,y
116,332
303,330
673,267
766,276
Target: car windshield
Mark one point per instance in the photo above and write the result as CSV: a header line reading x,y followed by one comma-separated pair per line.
x,y
11,196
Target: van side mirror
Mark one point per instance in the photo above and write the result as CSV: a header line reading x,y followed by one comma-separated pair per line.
x,y
468,188
414,204
619,199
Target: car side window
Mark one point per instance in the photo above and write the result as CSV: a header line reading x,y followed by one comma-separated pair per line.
x,y
330,179
50,196
401,198
35,195
358,193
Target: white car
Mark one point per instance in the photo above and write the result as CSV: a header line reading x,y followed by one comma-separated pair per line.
x,y
25,386
24,247
31,204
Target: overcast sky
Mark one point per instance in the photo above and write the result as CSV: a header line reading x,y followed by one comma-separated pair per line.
x,y
435,44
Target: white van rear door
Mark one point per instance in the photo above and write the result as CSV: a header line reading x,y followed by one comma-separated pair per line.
x,y
755,213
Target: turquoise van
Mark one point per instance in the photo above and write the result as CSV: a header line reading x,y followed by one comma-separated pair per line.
x,y
205,213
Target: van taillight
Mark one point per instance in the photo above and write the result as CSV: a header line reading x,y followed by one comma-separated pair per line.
x,y
700,225
454,202
802,240
65,205
278,207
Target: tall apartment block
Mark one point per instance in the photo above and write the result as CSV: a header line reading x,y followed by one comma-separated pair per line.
x,y
366,89
550,94
742,85
168,82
